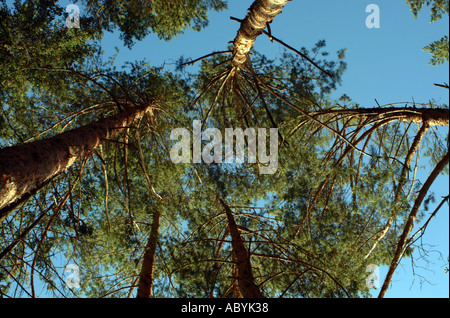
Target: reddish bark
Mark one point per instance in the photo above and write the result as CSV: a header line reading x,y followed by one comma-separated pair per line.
x,y
145,287
246,281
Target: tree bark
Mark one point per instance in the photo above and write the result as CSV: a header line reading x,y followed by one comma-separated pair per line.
x,y
260,14
246,281
145,287
431,116
25,168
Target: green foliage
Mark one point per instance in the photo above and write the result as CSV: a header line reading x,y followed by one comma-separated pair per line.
x,y
136,19
438,7
439,51
36,53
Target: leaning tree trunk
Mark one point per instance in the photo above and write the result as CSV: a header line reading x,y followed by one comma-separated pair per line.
x,y
260,14
26,168
246,281
430,116
410,221
145,286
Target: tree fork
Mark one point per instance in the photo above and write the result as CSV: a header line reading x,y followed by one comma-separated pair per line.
x,y
26,168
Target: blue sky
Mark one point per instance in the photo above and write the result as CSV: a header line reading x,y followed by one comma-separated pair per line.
x,y
387,64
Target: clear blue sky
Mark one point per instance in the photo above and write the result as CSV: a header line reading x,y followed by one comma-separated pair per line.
x,y
386,64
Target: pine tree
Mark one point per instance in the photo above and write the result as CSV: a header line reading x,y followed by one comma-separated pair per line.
x,y
439,50
344,195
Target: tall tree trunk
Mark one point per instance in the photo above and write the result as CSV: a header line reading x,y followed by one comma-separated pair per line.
x,y
260,14
25,168
145,287
246,281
